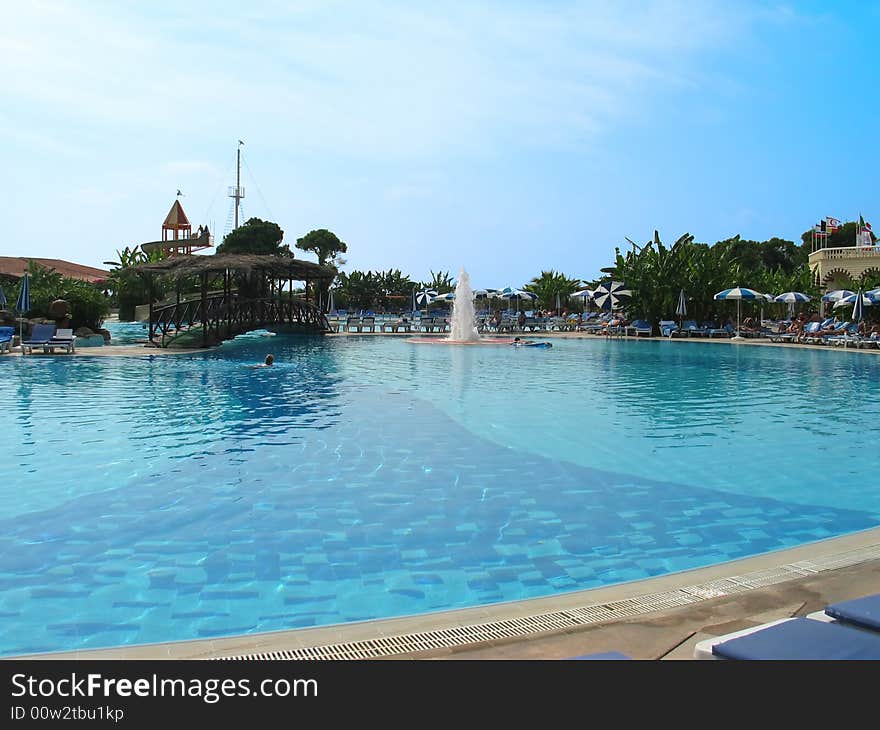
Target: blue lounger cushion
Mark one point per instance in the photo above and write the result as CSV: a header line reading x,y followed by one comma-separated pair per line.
x,y
802,638
864,612
603,655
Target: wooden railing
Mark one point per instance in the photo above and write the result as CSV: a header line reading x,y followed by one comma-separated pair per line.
x,y
222,317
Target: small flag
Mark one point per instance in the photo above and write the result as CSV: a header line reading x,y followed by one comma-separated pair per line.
x,y
240,142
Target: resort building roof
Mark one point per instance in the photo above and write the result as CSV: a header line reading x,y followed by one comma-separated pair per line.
x,y
15,267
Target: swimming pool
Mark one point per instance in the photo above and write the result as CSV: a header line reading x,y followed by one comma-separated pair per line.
x,y
171,497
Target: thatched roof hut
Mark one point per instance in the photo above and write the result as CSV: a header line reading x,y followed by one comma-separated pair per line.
x,y
279,267
221,315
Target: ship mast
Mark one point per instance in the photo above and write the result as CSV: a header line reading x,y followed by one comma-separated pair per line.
x,y
237,192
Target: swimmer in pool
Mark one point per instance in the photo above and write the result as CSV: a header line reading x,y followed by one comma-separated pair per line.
x,y
268,362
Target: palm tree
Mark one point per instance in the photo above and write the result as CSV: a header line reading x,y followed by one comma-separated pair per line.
x,y
552,288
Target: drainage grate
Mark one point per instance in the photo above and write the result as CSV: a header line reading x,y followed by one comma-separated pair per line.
x,y
568,618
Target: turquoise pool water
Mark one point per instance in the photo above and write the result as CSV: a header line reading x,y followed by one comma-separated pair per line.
x,y
172,497
126,333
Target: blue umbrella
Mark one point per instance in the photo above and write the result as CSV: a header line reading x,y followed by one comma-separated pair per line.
x,y
836,295
610,295
23,304
858,308
858,302
790,297
739,293
510,293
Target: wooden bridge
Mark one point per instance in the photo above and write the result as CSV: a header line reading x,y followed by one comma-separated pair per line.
x,y
223,314
222,317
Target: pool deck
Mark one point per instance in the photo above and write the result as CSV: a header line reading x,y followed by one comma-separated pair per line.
x,y
138,350
658,618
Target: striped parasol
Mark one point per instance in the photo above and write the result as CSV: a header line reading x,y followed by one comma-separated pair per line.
x,y
510,292
739,293
426,296
610,295
836,295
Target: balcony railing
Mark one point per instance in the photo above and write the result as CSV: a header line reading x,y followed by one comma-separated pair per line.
x,y
847,252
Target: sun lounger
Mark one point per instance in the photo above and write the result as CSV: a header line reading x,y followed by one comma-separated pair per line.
x,y
396,325
63,339
668,328
352,323
367,322
40,336
691,329
793,639
6,335
640,327
862,612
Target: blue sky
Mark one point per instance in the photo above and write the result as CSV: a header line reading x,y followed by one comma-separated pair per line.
x,y
503,137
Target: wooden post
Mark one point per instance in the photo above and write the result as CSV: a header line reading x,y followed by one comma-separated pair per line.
x,y
204,308
150,297
227,295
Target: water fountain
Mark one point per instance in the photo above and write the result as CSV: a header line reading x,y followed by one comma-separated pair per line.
x,y
464,324
463,330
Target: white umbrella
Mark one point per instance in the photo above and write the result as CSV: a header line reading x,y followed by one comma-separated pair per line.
x,y
586,294
682,308
739,293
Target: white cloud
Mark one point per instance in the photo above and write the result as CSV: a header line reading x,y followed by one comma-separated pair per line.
x,y
370,80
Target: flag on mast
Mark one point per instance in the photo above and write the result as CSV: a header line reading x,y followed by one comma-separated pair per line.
x,y
864,234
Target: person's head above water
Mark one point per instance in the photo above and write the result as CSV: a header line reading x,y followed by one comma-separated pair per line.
x,y
270,359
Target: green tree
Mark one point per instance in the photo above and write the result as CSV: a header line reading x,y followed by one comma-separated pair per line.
x,y
324,244
359,290
128,288
88,305
256,236
550,285
441,282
